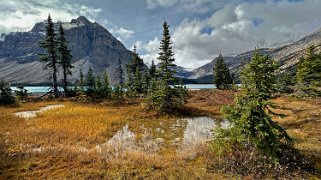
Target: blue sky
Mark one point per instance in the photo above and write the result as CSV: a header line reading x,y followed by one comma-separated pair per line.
x,y
200,28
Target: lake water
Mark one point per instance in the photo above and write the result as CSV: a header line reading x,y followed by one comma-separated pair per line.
x,y
45,89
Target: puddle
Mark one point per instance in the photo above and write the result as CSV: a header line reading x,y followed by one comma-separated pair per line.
x,y
32,114
198,131
125,140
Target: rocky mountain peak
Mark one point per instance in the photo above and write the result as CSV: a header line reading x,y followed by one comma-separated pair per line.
x,y
81,20
91,46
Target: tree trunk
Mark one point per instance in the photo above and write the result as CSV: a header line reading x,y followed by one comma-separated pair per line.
x,y
55,85
65,81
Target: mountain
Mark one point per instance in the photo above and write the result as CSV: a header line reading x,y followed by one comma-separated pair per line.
x,y
287,55
90,43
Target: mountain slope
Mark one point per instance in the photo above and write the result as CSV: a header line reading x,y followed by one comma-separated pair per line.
x,y
91,45
287,55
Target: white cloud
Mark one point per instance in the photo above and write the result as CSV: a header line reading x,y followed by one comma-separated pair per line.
x,y
160,3
21,15
121,34
238,27
151,49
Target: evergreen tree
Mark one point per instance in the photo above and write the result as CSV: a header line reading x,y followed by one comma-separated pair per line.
x,y
137,81
90,81
130,84
106,86
285,82
120,74
152,71
136,61
65,58
134,73
309,72
250,118
6,96
165,98
98,83
166,57
81,81
119,77
145,82
50,43
222,77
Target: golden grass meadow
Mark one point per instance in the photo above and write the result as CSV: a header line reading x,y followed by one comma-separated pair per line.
x,y
79,140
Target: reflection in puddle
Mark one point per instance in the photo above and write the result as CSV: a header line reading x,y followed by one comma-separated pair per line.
x,y
125,140
198,131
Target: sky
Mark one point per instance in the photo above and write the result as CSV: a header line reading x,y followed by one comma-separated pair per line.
x,y
200,29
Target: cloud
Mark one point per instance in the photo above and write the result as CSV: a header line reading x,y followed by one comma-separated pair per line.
x,y
21,15
121,34
190,6
241,26
160,3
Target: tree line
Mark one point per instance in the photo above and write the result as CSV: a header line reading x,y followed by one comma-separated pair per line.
x,y
159,87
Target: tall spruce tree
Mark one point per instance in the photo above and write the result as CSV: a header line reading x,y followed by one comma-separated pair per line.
x,y
129,83
250,118
164,97
134,73
152,70
65,57
90,81
81,81
106,87
119,75
166,57
137,81
222,77
51,58
145,81
309,72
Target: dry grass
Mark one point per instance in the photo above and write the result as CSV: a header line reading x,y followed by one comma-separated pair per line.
x,y
303,123
61,143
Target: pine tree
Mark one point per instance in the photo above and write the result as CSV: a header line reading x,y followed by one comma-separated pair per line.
x,y
145,81
119,77
106,88
134,73
65,57
251,116
222,77
309,72
50,43
90,81
166,57
129,84
165,98
120,74
98,83
81,81
152,71
137,81
6,96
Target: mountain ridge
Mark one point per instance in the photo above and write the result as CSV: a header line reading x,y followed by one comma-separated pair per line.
x,y
90,43
287,55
